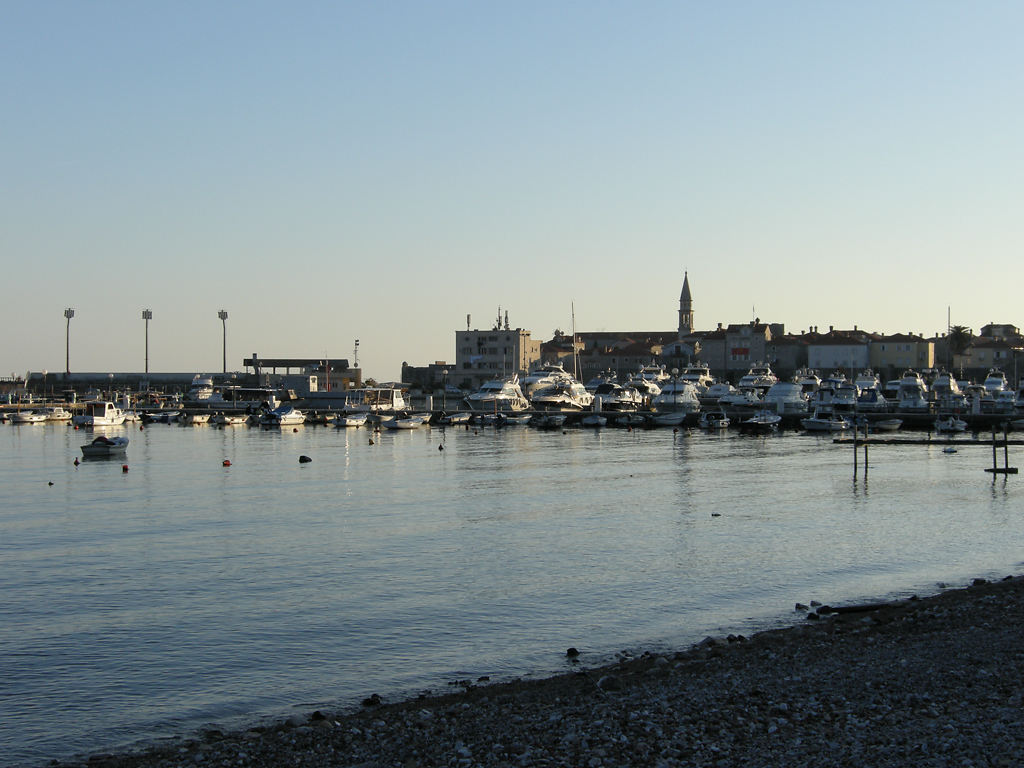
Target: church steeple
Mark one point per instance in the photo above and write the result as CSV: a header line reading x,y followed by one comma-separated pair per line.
x,y
685,308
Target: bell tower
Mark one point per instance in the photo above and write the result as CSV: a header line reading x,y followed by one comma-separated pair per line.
x,y
685,308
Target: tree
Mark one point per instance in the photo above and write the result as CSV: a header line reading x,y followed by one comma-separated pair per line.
x,y
960,338
959,341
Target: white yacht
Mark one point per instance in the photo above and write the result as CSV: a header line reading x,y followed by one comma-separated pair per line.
x,y
565,395
845,397
699,375
200,391
995,381
498,395
786,397
614,397
542,376
867,379
945,384
717,391
871,399
809,380
912,393
604,377
678,395
759,376
743,396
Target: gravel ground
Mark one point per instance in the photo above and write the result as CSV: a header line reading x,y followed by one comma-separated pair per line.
x,y
930,682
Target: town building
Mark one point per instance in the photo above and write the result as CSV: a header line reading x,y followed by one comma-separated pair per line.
x,y
892,354
484,355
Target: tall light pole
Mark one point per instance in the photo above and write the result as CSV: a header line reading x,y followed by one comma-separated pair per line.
x,y
223,315
147,315
68,314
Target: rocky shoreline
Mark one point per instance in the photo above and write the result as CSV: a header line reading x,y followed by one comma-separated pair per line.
x,y
925,682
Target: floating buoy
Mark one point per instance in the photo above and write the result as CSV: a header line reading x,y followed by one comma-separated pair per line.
x,y
76,462
304,459
50,483
371,441
440,447
141,427
76,426
124,467
295,429
227,462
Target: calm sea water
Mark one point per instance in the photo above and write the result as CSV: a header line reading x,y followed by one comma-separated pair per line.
x,y
182,593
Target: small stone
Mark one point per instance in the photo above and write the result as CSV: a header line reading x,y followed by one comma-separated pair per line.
x,y
609,683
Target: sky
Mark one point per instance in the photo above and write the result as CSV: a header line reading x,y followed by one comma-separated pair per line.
x,y
332,171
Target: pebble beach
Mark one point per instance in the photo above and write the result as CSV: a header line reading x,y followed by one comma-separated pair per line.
x,y
934,681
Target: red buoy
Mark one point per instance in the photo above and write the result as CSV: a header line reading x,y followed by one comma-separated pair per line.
x,y
76,462
227,463
124,467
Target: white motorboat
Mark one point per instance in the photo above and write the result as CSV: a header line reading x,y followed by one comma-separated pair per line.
x,y
995,382
229,419
28,417
564,395
614,397
200,391
100,413
786,397
825,421
345,420
677,395
760,376
508,420
845,396
762,421
867,379
950,424
715,392
713,420
631,420
912,396
58,414
809,381
161,417
455,418
871,399
283,416
945,385
105,446
670,418
498,395
742,397
549,420
544,376
190,419
885,425
402,421
602,378
374,400
699,375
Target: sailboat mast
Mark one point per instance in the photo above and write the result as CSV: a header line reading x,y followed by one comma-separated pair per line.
x,y
572,308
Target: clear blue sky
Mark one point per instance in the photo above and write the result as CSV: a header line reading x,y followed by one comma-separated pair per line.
x,y
327,171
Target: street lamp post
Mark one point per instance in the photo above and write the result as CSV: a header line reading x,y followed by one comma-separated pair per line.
x,y
223,315
68,314
147,315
